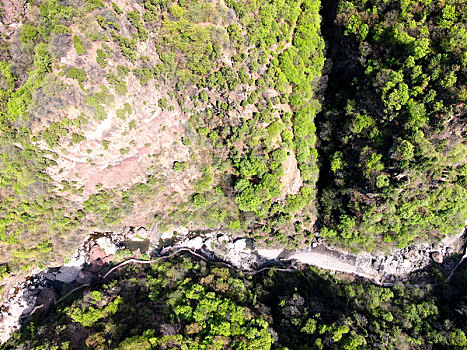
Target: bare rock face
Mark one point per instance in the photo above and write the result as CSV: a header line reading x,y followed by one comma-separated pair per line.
x,y
141,234
67,274
86,277
195,243
96,254
240,245
106,244
128,233
169,329
45,298
437,257
12,10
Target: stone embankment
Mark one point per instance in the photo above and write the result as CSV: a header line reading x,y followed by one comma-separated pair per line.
x,y
91,264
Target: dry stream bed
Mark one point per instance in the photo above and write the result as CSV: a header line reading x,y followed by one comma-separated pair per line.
x,y
91,264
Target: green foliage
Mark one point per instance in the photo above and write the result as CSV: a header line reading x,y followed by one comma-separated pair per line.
x,y
248,76
337,162
78,45
88,316
127,46
117,9
98,100
134,18
94,4
101,58
396,145
42,59
118,84
28,33
78,74
123,71
179,166
53,133
200,305
144,74
76,138
163,103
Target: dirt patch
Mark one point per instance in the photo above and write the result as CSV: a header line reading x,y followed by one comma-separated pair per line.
x,y
10,12
291,180
117,150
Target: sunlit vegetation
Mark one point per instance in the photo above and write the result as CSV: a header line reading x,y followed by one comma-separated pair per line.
x,y
248,76
255,147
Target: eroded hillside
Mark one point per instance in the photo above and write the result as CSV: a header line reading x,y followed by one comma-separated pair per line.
x,y
195,113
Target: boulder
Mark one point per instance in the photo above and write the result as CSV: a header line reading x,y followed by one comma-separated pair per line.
x,y
128,233
49,276
96,266
167,235
141,234
210,243
67,274
130,236
240,244
108,259
437,257
195,243
96,253
222,238
45,298
86,277
106,245
169,329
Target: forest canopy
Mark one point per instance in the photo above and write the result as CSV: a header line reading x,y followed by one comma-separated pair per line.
x,y
280,120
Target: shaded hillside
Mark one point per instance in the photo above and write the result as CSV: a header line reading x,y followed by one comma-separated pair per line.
x,y
188,304
392,130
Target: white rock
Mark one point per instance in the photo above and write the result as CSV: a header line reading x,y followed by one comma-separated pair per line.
x,y
195,243
167,235
223,239
178,232
269,253
11,319
77,260
210,243
142,232
128,233
106,245
240,245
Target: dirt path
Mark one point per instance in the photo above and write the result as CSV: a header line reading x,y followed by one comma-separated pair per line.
x,y
384,270
332,263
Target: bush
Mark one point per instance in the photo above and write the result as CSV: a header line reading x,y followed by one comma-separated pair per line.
x,y
28,33
78,45
179,166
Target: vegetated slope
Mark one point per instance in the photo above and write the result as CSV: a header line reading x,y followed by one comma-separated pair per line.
x,y
185,303
193,113
393,127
